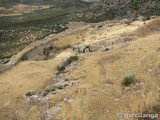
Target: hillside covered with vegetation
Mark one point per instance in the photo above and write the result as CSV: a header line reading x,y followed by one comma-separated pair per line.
x,y
18,31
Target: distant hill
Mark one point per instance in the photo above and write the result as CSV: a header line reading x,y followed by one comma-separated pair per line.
x,y
119,9
44,2
25,21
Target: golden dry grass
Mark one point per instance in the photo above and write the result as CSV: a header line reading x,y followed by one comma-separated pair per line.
x,y
96,101
24,77
149,28
92,98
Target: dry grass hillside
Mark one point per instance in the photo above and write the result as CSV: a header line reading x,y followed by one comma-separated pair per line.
x,y
100,96
99,93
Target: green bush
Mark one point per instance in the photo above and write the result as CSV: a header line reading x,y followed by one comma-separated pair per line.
x,y
129,79
68,62
24,57
71,59
66,46
60,87
61,68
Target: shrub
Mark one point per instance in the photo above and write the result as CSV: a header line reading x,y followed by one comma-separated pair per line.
x,y
128,22
146,18
61,68
60,87
68,62
100,26
46,52
71,59
66,46
24,57
129,79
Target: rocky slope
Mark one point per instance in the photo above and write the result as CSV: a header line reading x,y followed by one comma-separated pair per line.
x,y
119,9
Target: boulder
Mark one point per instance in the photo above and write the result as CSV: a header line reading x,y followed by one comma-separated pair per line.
x,y
82,48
